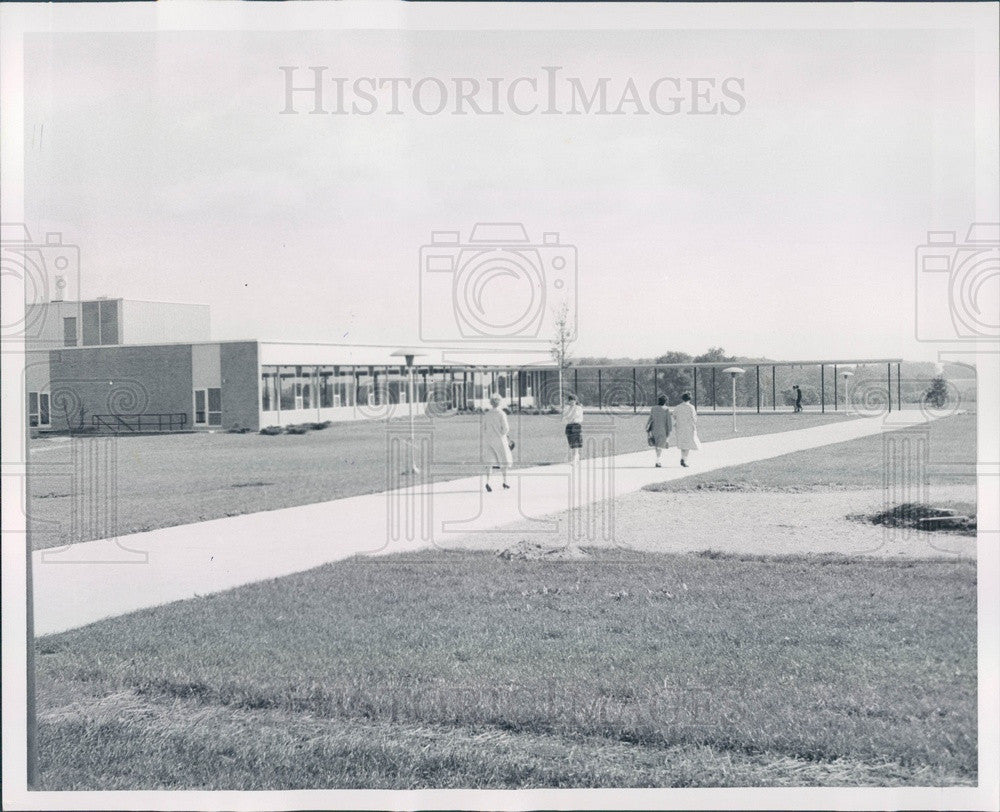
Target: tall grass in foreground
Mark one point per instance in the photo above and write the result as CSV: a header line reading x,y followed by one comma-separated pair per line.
x,y
847,665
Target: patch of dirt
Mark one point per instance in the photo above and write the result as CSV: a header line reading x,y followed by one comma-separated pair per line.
x,y
918,516
525,550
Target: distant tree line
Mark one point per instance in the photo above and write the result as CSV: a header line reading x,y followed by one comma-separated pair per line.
x,y
615,384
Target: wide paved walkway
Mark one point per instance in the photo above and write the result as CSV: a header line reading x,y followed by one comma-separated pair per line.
x,y
86,582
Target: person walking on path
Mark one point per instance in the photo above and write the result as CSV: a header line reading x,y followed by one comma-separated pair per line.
x,y
497,429
573,418
686,428
658,427
798,397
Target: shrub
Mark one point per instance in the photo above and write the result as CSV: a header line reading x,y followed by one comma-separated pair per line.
x,y
937,394
298,428
320,426
271,430
236,428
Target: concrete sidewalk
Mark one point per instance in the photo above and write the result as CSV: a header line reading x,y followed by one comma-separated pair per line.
x,y
86,582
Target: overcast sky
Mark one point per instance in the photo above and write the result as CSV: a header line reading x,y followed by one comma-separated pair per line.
x,y
787,230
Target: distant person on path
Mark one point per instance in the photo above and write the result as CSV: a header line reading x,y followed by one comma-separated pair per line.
x,y
658,427
798,398
573,418
686,427
497,429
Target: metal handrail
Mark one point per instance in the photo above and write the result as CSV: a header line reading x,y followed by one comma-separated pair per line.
x,y
162,421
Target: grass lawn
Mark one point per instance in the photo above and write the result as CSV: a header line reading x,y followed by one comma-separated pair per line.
x,y
180,479
450,669
854,465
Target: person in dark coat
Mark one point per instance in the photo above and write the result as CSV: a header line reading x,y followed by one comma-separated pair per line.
x,y
798,397
658,427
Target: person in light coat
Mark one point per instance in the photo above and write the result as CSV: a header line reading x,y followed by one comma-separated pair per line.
x,y
685,428
658,427
496,429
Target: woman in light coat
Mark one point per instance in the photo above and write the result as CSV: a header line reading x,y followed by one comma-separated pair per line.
x,y
497,430
685,428
658,427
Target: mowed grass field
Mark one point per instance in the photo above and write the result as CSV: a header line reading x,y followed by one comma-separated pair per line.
x,y
462,670
160,481
856,465
459,669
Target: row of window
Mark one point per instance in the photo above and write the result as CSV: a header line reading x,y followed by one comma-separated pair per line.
x,y
100,324
303,387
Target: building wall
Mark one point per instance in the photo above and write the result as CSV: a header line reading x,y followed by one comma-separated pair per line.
x,y
43,323
152,322
240,381
119,380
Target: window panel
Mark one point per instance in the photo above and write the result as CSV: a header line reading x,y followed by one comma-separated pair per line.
x,y
199,406
287,391
109,322
90,314
267,402
69,331
326,387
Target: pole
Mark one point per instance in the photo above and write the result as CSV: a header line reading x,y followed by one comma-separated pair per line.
x,y
635,406
758,388
409,405
29,656
822,388
836,397
774,392
656,384
600,391
694,387
715,392
733,376
888,385
899,389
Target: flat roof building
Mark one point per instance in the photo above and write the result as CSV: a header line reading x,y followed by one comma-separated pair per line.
x,y
124,365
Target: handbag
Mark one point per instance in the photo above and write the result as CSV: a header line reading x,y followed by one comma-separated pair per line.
x,y
650,440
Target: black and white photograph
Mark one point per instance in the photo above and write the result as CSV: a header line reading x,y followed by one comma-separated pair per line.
x,y
519,406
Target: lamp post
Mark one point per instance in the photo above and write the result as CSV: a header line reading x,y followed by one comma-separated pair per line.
x,y
733,372
409,355
845,375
